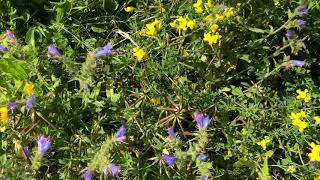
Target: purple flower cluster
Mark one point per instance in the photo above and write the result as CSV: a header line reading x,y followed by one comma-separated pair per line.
x,y
112,170
87,175
10,34
44,145
26,152
289,33
12,105
171,134
202,156
53,51
30,102
104,51
169,160
302,10
299,63
3,49
121,134
202,120
301,23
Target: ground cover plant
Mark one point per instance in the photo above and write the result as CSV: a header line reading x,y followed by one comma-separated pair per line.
x,y
193,89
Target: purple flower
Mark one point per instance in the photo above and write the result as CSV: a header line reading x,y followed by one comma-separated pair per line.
x,y
289,33
302,10
4,178
169,160
12,105
25,152
3,49
203,178
223,8
87,175
106,50
43,145
121,134
301,23
10,34
53,51
298,62
30,101
113,170
202,120
171,134
202,156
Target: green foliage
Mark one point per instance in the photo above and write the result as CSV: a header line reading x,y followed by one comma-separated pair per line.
x,y
246,82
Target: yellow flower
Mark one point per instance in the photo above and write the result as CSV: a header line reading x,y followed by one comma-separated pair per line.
x,y
219,17
263,143
2,129
299,115
229,12
192,24
296,120
182,23
208,18
238,4
151,28
28,88
303,95
139,53
301,124
4,114
129,9
198,6
157,23
317,119
214,28
291,169
173,24
209,4
155,101
165,151
315,152
211,39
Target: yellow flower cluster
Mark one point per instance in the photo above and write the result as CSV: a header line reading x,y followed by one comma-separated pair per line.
x,y
28,88
263,143
198,6
296,120
317,119
303,95
4,114
229,12
139,53
210,4
219,17
151,28
315,152
212,38
183,23
129,9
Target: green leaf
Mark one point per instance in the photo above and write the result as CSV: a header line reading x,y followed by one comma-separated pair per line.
x,y
245,57
60,14
113,96
98,29
14,68
237,91
257,30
